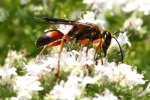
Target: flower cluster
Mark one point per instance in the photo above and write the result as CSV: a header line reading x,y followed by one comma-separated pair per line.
x,y
134,11
84,79
124,5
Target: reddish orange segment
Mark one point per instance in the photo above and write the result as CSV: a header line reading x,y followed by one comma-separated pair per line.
x,y
85,41
66,37
54,34
52,44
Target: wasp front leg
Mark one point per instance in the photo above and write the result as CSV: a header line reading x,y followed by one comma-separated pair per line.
x,y
99,47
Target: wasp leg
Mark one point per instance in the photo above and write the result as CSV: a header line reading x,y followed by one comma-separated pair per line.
x,y
41,52
99,46
86,57
86,52
59,57
88,67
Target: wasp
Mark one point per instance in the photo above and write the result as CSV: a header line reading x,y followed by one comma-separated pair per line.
x,y
83,33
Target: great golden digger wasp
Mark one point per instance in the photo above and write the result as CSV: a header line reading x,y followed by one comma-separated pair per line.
x,y
83,33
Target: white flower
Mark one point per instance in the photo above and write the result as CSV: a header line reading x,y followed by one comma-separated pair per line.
x,y
38,68
103,4
36,9
69,59
133,23
26,86
122,73
73,87
130,75
89,80
86,98
23,95
137,5
91,17
65,28
131,6
124,5
7,72
107,95
146,91
122,39
68,90
13,55
86,58
3,14
88,17
88,1
23,2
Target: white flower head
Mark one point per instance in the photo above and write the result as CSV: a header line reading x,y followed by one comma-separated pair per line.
x,y
13,55
6,72
36,9
65,28
88,17
122,39
3,14
103,4
133,23
89,80
107,95
23,2
146,91
124,5
22,95
137,5
89,2
38,68
68,90
91,17
27,85
122,73
131,77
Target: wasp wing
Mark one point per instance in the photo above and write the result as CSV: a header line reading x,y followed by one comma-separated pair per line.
x,y
65,22
59,21
78,27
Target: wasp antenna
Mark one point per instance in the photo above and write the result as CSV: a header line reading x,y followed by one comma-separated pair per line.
x,y
117,32
121,51
38,19
49,20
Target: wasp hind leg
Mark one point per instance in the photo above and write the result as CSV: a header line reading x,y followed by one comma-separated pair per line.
x,y
41,53
59,57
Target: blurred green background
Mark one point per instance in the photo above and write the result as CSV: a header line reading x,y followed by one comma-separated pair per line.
x,y
19,28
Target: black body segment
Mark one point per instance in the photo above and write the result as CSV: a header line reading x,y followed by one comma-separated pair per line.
x,y
43,40
107,41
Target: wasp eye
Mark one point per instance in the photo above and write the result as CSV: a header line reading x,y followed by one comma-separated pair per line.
x,y
43,40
